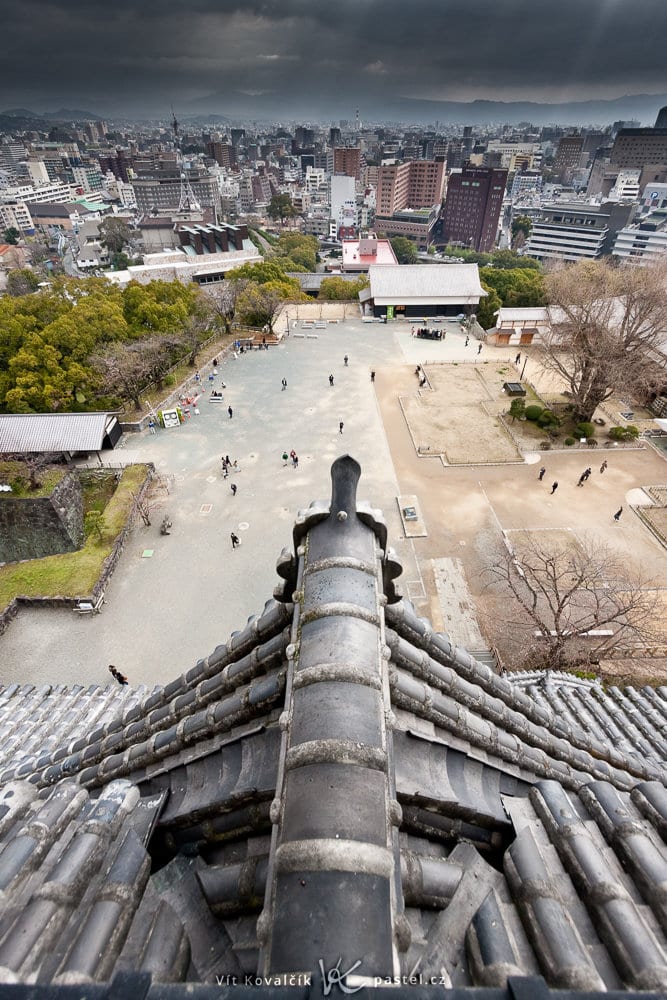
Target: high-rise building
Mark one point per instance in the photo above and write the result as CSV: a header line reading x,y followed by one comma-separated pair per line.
x,y
574,231
637,147
222,152
346,160
413,184
568,156
472,208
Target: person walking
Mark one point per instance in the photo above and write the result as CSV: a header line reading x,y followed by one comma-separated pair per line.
x,y
331,380
285,458
617,515
517,360
340,427
295,461
284,384
582,479
230,412
542,474
467,341
151,426
554,487
479,349
603,466
233,489
372,376
116,674
346,359
235,540
587,474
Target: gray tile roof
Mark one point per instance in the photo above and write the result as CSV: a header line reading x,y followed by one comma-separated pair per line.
x,y
337,780
398,281
44,432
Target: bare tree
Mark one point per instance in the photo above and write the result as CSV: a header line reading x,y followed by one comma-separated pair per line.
x,y
567,597
144,507
224,298
606,323
126,368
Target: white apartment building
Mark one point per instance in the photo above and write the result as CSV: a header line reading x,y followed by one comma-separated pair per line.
x,y
511,152
56,191
626,187
16,215
572,231
643,243
119,191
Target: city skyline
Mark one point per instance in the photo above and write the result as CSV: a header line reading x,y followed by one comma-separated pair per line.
x,y
283,60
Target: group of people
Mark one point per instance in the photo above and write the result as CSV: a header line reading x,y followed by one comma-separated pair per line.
x,y
585,475
228,466
293,456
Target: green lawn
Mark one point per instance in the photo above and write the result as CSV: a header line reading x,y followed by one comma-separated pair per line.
x,y
73,574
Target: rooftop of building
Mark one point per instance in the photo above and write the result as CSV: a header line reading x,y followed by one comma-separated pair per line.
x,y
336,783
418,281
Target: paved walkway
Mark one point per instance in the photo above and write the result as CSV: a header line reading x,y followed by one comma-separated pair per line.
x,y
165,612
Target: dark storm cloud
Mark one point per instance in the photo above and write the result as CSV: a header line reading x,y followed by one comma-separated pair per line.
x,y
290,55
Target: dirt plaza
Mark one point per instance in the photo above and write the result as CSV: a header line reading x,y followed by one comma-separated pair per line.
x,y
166,611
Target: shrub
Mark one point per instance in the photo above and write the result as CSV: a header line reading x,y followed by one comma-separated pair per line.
x,y
517,408
545,445
534,412
169,380
585,429
629,433
569,441
546,418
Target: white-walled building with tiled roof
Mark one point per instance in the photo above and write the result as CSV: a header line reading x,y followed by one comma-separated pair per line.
x,y
422,290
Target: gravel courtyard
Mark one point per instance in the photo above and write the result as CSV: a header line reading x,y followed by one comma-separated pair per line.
x,y
454,416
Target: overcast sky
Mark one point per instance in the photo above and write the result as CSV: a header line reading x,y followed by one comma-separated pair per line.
x,y
324,58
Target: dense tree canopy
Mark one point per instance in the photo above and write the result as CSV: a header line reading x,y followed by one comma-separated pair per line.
x,y
281,207
116,235
518,287
298,249
488,307
22,281
521,229
405,250
337,289
53,341
505,259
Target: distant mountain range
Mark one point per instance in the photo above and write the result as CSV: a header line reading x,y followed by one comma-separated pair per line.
x,y
264,107
63,115
643,107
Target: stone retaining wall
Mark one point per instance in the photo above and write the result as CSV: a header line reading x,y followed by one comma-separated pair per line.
x,y
34,527
108,567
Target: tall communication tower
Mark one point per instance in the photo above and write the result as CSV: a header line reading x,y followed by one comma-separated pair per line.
x,y
188,201
357,122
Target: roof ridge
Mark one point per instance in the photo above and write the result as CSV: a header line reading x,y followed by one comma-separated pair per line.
x,y
410,629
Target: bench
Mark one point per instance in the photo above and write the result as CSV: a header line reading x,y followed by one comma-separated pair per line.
x,y
216,399
90,607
